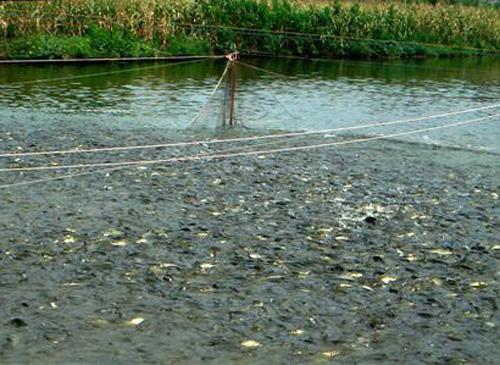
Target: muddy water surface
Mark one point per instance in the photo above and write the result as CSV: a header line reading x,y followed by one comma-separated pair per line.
x,y
379,252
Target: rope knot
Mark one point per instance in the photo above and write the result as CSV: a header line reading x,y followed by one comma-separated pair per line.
x,y
232,56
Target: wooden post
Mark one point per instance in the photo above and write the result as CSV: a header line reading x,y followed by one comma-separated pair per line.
x,y
233,58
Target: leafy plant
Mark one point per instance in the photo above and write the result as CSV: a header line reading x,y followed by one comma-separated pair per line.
x,y
302,27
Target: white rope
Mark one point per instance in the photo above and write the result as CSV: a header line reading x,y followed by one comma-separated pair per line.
x,y
251,153
242,139
102,73
126,166
68,176
265,71
207,103
107,59
31,182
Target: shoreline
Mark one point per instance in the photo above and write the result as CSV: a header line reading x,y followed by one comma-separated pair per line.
x,y
213,56
405,31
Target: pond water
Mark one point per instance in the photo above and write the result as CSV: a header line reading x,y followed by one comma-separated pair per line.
x,y
318,95
382,252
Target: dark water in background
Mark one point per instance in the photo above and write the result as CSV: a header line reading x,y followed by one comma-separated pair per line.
x,y
319,95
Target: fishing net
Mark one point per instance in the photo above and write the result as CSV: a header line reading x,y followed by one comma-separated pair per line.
x,y
216,112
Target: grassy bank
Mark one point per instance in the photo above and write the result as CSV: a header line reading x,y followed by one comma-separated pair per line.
x,y
117,28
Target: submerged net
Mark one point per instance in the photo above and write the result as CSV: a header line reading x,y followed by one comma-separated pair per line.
x,y
217,110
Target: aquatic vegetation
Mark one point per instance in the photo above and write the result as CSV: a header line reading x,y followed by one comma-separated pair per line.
x,y
326,29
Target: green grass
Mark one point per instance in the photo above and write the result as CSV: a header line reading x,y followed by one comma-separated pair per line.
x,y
117,28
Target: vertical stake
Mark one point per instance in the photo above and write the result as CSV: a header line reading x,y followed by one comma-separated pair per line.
x,y
233,58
